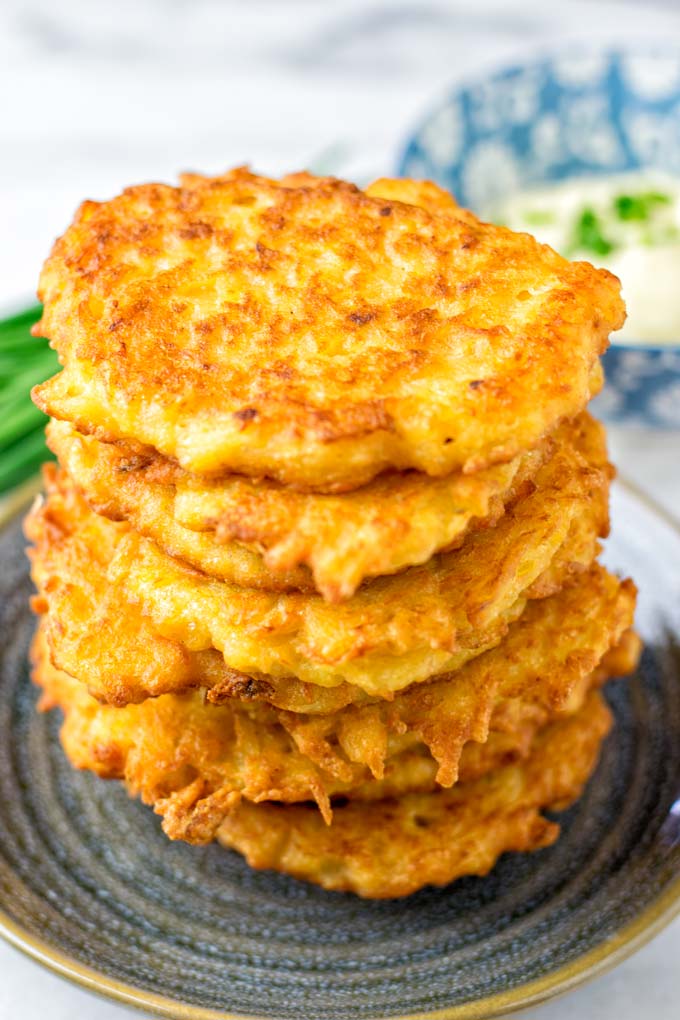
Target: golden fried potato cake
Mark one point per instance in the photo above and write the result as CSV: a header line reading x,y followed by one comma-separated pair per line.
x,y
73,548
395,631
394,847
546,657
194,762
259,534
122,484
315,333
73,551
95,635
310,700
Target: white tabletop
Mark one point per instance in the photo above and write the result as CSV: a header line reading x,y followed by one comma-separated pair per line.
x,y
96,96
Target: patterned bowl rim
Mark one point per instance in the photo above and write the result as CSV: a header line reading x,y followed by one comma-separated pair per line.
x,y
546,56
617,345
651,348
592,964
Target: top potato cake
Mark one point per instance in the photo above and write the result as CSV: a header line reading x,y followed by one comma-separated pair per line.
x,y
314,333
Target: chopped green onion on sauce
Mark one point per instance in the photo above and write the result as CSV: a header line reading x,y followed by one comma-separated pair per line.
x,y
588,234
628,223
641,206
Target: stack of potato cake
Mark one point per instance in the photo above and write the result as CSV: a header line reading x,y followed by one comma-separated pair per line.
x,y
318,569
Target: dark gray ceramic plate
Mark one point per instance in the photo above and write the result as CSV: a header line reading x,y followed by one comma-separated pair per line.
x,y
91,887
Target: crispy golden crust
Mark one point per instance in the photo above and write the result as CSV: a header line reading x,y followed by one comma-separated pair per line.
x,y
624,656
545,659
394,847
70,561
259,534
395,631
307,700
554,643
73,548
315,333
95,635
193,762
122,484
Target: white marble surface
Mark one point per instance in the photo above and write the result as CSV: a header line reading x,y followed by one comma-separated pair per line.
x,y
95,96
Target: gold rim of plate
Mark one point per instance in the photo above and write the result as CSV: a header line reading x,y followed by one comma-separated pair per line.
x,y
591,965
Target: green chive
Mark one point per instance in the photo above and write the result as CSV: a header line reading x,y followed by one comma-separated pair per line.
x,y
24,418
22,375
24,361
640,206
22,459
588,235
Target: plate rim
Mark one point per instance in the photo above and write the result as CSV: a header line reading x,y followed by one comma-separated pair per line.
x,y
598,961
593,964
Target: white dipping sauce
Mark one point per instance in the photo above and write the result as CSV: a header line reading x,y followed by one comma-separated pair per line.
x,y
630,224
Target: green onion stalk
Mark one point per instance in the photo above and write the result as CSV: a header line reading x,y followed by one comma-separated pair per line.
x,y
25,360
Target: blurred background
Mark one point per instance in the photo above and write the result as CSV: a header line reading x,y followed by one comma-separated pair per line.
x,y
96,96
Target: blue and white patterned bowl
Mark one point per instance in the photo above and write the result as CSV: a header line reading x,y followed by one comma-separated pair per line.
x,y
573,114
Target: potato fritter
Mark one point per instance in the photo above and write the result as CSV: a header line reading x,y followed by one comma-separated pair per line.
x,y
259,534
70,561
395,631
544,660
315,333
309,700
96,635
193,761
394,847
